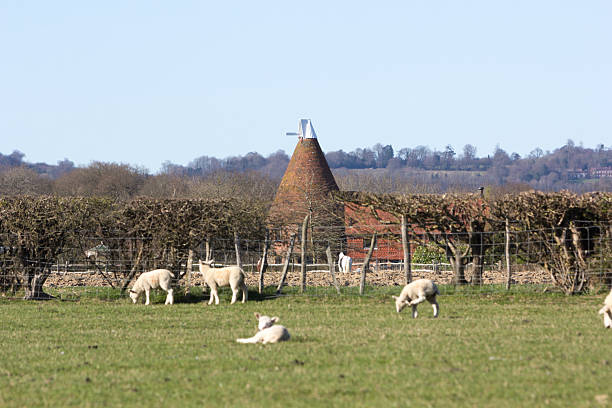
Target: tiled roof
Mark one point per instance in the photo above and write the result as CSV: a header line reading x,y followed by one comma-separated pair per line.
x,y
307,180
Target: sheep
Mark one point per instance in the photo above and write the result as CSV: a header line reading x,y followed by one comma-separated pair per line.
x,y
345,262
415,293
606,311
231,276
267,332
159,278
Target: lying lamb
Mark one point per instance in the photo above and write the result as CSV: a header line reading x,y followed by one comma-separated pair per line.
x,y
159,278
606,311
345,262
231,276
415,293
267,331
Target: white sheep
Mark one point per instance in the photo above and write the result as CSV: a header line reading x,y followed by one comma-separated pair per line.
x,y
345,262
231,276
606,311
415,293
267,331
159,278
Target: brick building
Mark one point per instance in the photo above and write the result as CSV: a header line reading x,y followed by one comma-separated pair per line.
x,y
306,184
305,188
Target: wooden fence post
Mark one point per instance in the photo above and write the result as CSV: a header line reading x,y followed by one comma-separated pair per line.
x,y
237,245
264,262
366,264
303,254
286,266
189,267
330,261
507,250
208,251
407,254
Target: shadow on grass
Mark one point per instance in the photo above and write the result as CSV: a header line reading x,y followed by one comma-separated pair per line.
x,y
197,295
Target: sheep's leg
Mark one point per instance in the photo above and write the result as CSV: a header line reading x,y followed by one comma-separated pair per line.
x,y
607,316
253,339
436,308
213,292
234,295
414,312
418,300
249,340
245,292
216,296
170,297
147,296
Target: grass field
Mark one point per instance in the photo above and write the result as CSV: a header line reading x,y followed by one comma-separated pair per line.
x,y
522,348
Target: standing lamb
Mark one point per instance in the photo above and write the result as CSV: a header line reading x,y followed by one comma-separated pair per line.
x,y
231,276
415,293
267,331
606,311
159,278
345,262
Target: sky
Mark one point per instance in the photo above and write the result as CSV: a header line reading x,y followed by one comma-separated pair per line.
x,y
145,82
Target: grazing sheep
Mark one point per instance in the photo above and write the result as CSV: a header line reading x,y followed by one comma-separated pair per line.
x,y
606,311
415,293
345,262
159,278
267,331
231,276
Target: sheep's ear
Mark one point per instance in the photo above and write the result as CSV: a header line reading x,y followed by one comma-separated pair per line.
x,y
257,315
274,319
394,297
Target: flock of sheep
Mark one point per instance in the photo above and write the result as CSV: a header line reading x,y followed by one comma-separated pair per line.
x,y
232,276
412,295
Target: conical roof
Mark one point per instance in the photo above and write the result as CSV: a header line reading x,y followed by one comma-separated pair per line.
x,y
305,185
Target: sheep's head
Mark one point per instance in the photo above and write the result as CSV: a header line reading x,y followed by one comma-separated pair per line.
x,y
208,264
265,321
134,296
399,303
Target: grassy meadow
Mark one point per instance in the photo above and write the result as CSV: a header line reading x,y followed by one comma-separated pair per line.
x,y
523,348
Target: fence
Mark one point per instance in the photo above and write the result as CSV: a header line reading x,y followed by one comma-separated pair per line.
x,y
571,259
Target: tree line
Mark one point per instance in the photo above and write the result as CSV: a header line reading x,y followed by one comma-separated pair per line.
x,y
381,168
569,235
38,232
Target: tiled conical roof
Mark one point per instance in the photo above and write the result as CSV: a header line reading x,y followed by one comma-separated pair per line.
x,y
307,181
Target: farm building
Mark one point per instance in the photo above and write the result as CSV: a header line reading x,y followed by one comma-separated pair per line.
x,y
304,190
306,184
360,224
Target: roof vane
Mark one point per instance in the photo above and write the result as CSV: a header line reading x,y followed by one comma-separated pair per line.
x,y
305,131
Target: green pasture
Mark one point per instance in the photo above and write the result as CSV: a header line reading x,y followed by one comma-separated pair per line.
x,y
516,349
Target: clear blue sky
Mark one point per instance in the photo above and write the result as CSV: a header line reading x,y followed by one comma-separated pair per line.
x,y
142,82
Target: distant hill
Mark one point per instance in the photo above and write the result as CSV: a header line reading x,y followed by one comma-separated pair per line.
x,y
380,167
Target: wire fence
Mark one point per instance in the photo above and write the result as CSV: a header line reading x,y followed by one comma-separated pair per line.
x,y
487,261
